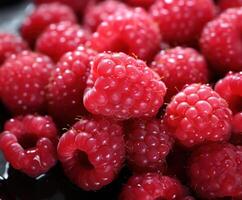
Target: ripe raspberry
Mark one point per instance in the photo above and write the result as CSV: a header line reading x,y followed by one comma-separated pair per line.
x,y
180,66
236,123
140,3
10,44
216,170
123,87
101,11
67,84
225,4
92,152
148,143
197,115
42,17
181,22
132,32
153,186
220,41
60,38
23,80
29,144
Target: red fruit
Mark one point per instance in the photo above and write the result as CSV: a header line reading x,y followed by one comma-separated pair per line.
x,y
132,32
92,152
10,44
180,66
101,11
236,123
67,84
197,115
225,4
123,87
60,38
221,41
42,17
140,3
215,171
23,80
29,144
181,22
153,186
147,145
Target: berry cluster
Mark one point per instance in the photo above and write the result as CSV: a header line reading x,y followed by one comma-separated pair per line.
x,y
154,85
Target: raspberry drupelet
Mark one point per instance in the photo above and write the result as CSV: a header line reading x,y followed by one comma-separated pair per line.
x,y
197,115
225,4
42,17
154,186
147,145
29,144
23,80
67,84
58,39
132,32
215,171
123,87
180,66
92,152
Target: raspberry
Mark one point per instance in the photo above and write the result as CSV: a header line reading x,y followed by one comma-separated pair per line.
x,y
23,80
42,17
225,4
216,170
236,123
60,38
197,115
123,87
132,32
29,144
148,143
153,186
10,44
181,22
101,11
180,66
67,84
220,41
92,152
140,3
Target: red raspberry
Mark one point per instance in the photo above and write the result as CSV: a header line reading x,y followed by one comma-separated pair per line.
x,y
220,41
123,87
181,22
132,32
23,80
67,84
215,171
10,44
225,4
153,186
101,11
92,152
148,143
42,17
29,144
60,38
180,66
236,123
197,115
140,3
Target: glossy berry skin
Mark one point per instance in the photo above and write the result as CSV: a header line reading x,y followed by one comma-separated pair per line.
x,y
225,4
132,32
153,186
29,144
57,39
215,171
123,87
147,145
181,22
140,3
23,80
67,84
42,17
220,41
99,12
180,66
92,152
197,115
10,44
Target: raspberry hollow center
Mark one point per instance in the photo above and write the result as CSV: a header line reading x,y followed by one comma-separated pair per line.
x,y
83,160
28,141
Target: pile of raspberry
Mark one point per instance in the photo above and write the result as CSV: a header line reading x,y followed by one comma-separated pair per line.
x,y
154,86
